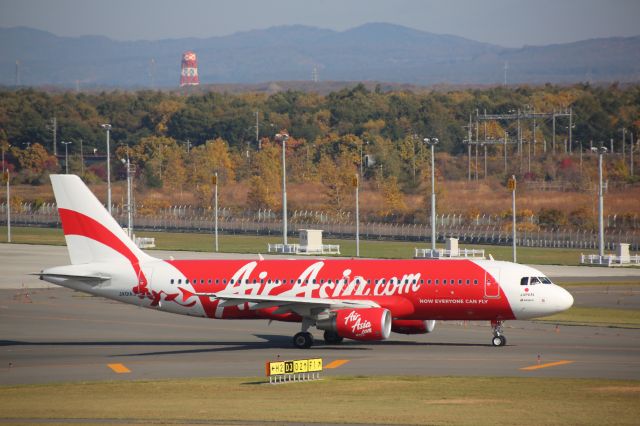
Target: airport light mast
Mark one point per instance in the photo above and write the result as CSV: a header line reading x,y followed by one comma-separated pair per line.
x,y
601,151
432,142
66,155
283,137
107,127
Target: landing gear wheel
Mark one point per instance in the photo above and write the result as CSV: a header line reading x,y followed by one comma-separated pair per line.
x,y
303,340
332,337
499,341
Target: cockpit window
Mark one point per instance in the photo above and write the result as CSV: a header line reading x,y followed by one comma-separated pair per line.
x,y
535,280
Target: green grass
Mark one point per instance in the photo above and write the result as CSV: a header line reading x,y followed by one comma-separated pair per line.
x,y
258,244
405,400
608,317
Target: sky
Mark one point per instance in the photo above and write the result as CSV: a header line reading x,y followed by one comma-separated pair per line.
x,y
510,23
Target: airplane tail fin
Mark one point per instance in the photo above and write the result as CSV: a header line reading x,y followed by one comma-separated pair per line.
x,y
92,234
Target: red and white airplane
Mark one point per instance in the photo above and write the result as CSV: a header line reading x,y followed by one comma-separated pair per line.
x,y
357,299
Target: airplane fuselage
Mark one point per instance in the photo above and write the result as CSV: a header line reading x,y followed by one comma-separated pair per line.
x,y
410,289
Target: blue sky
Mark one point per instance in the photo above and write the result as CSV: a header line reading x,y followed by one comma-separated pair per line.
x,y
510,23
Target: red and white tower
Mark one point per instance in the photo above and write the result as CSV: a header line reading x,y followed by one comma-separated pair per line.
x,y
189,69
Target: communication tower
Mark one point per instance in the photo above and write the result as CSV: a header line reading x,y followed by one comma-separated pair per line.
x,y
189,70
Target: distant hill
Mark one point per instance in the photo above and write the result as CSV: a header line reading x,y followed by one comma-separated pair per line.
x,y
372,52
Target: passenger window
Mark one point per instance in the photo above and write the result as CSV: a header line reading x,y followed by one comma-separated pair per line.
x,y
429,282
436,282
224,281
171,280
209,281
475,282
179,280
186,280
444,281
468,282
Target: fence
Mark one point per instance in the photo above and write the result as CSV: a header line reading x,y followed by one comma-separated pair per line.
x,y
482,229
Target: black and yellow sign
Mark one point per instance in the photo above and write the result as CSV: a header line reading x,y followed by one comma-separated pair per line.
x,y
214,180
511,183
278,368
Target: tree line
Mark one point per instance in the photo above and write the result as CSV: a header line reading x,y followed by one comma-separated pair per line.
x,y
178,141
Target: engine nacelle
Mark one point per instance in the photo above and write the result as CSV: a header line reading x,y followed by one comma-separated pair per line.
x,y
358,324
413,326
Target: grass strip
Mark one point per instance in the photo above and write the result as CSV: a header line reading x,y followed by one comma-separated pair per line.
x,y
251,244
371,400
607,317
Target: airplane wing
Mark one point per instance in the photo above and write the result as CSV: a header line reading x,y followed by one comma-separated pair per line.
x,y
303,306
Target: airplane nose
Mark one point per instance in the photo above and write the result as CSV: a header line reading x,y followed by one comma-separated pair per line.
x,y
565,299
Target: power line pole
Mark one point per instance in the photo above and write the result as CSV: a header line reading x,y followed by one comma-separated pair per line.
x,y
631,154
258,144
624,158
570,129
553,138
54,130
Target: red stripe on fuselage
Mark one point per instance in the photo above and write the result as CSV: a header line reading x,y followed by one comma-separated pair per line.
x,y
422,301
75,223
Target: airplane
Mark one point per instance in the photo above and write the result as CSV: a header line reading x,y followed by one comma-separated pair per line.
x,y
358,299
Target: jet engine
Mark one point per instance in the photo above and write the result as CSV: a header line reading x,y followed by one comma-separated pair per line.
x,y
413,326
358,324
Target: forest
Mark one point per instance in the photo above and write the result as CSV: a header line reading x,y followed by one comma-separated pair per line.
x,y
176,141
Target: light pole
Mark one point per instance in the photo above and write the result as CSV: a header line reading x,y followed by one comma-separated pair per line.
x,y
356,185
214,180
512,186
432,142
107,127
601,151
66,155
284,137
127,163
7,177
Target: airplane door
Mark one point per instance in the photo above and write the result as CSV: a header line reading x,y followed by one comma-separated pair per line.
x,y
491,283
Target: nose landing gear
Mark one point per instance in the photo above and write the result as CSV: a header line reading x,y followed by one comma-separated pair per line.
x,y
498,336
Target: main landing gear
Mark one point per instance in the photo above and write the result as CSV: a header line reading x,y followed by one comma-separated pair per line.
x,y
498,336
304,339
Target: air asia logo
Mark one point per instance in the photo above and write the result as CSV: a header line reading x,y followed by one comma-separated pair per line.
x,y
249,280
359,326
